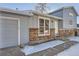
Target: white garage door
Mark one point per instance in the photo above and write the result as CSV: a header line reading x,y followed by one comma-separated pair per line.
x,y
8,33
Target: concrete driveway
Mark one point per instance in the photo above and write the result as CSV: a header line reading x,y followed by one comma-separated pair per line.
x,y
74,38
73,51
13,51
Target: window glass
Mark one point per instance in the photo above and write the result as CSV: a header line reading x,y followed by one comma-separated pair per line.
x,y
41,22
46,26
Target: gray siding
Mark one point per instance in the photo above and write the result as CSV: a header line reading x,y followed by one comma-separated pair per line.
x,y
58,13
24,31
52,23
60,24
33,22
64,13
67,18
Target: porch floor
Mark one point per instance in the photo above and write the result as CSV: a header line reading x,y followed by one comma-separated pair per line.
x,y
36,48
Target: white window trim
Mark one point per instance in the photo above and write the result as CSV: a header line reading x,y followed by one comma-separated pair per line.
x,y
44,26
56,27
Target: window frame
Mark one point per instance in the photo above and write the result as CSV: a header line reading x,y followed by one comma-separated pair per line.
x,y
44,18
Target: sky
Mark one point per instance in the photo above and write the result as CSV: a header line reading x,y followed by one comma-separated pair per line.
x,y
30,6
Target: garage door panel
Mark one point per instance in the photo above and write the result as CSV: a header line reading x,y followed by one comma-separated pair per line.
x,y
9,32
7,21
8,44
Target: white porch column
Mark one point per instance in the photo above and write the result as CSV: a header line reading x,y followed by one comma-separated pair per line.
x,y
56,27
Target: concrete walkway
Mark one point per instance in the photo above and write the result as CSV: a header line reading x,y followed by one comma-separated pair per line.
x,y
54,50
36,48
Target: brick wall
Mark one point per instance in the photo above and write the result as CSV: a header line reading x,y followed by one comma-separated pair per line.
x,y
34,38
33,34
67,33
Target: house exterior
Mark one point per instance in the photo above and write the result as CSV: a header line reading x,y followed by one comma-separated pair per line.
x,y
19,27
68,25
31,27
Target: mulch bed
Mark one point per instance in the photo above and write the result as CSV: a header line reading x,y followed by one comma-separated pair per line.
x,y
54,50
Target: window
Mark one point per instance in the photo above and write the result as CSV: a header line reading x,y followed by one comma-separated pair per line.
x,y
43,26
71,14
